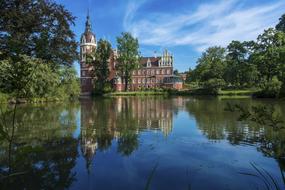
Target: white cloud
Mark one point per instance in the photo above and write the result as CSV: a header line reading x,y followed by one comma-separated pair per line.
x,y
211,24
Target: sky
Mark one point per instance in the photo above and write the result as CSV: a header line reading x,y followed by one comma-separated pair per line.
x,y
185,27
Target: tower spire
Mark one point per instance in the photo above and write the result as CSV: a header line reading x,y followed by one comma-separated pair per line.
x,y
88,23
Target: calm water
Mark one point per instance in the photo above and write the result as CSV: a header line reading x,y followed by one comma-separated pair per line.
x,y
140,143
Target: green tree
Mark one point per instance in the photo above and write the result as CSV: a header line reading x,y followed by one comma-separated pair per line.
x,y
281,25
211,64
100,62
239,71
33,78
269,53
128,58
175,72
69,82
28,77
38,29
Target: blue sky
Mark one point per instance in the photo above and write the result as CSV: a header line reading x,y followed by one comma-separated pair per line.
x,y
184,27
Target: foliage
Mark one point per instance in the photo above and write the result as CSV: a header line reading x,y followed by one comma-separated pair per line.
x,y
100,62
270,89
69,82
210,65
128,58
252,64
281,25
214,85
31,78
239,71
262,115
268,53
38,29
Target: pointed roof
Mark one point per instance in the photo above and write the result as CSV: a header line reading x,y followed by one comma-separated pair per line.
x,y
88,23
88,35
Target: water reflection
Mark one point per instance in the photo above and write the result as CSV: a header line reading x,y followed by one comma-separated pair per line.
x,y
218,124
103,120
42,152
56,146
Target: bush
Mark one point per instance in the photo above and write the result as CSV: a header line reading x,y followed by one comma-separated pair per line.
x,y
3,98
270,89
30,78
213,86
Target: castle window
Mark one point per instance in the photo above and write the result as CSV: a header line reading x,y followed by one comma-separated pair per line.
x,y
139,72
157,72
162,72
139,80
83,82
168,71
83,73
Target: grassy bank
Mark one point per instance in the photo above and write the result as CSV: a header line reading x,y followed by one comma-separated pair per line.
x,y
5,98
195,92
249,92
137,93
198,92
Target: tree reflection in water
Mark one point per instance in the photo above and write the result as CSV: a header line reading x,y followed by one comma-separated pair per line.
x,y
44,152
218,124
43,149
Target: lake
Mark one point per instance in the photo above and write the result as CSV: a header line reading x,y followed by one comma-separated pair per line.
x,y
140,143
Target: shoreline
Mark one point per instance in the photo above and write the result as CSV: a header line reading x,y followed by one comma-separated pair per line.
x,y
223,94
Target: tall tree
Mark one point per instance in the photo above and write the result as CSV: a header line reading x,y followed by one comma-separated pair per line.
x,y
269,52
37,28
101,63
211,64
128,58
281,25
239,71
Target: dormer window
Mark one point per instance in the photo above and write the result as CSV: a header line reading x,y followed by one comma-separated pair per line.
x,y
148,63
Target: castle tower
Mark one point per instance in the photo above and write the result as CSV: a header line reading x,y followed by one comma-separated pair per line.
x,y
87,46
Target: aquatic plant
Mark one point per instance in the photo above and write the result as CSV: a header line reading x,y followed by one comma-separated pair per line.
x,y
268,180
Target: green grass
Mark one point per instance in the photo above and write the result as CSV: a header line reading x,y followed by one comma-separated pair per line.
x,y
136,93
248,92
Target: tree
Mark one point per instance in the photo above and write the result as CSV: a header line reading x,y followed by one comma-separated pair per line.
x,y
33,78
28,77
69,83
128,58
101,64
239,71
39,29
211,64
269,53
281,25
175,72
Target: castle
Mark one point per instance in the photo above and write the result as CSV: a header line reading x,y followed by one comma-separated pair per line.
x,y
154,72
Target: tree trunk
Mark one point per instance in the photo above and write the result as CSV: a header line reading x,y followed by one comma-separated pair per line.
x,y
126,83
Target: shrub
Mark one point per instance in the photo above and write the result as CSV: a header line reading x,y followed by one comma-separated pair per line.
x,y
213,86
3,98
270,89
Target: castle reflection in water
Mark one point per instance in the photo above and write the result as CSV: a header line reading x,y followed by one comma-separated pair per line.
x,y
121,119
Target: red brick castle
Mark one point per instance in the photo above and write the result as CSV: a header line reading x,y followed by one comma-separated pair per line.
x,y
154,72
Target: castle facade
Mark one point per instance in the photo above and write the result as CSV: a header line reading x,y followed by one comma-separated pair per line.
x,y
154,72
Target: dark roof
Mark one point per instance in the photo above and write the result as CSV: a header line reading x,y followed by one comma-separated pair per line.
x,y
154,61
88,36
